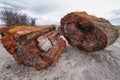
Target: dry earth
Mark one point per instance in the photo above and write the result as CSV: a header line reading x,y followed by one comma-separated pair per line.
x,y
72,65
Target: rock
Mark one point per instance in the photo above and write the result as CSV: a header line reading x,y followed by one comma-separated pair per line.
x,y
88,32
37,47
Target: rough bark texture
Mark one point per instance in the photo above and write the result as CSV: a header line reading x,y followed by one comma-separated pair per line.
x,y
37,47
88,32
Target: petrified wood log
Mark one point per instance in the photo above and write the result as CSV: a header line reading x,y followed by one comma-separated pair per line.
x,y
88,32
37,47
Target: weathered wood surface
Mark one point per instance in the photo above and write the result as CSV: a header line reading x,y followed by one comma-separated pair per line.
x,y
87,32
37,47
72,65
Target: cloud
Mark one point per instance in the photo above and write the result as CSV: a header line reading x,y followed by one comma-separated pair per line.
x,y
115,16
13,4
115,21
51,11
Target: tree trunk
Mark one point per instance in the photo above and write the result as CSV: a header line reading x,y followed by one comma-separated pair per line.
x,y
88,32
37,47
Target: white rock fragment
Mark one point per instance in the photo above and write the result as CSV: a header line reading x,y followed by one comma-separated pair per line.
x,y
44,43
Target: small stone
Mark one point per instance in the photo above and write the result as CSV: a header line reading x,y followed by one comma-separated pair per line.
x,y
8,66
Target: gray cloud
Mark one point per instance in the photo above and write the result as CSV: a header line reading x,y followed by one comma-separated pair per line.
x,y
43,9
36,6
13,4
116,11
115,16
53,10
115,21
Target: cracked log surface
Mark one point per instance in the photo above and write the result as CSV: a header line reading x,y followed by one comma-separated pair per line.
x,y
37,47
88,32
72,65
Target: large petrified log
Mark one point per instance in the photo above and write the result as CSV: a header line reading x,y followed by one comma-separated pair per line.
x,y
37,47
88,32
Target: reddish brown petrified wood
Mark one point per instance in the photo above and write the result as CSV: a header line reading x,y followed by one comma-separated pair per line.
x,y
37,47
88,32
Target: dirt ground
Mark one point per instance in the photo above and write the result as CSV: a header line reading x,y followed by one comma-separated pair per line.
x,y
72,65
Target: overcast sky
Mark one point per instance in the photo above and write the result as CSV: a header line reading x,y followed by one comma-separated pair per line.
x,y
51,11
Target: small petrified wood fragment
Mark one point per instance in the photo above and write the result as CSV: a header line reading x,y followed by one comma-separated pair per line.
x,y
37,47
88,32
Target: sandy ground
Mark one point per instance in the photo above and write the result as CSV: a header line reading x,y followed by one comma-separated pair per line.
x,y
72,65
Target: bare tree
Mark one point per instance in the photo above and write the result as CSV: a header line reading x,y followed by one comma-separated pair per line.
x,y
33,20
13,17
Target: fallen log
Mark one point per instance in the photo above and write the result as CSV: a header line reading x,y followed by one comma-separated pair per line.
x,y
88,32
37,47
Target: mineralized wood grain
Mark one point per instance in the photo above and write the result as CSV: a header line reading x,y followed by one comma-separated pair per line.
x,y
37,47
88,32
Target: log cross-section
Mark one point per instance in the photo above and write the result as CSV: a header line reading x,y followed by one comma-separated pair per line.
x,y
88,32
